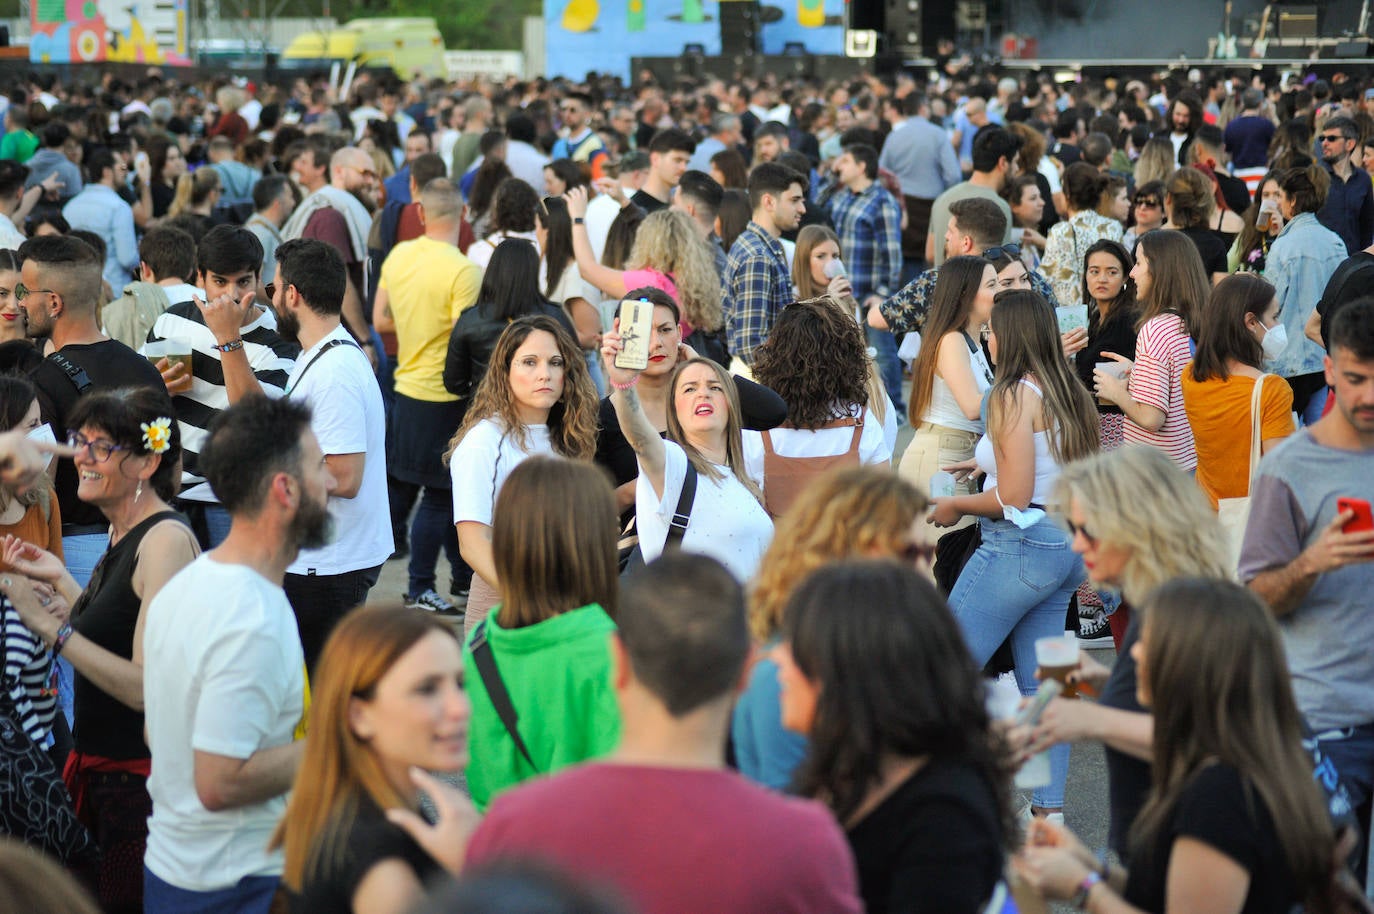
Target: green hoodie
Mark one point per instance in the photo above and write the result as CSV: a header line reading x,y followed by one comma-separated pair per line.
x,y
558,674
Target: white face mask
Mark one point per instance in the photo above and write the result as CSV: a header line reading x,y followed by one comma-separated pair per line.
x,y
44,434
1275,341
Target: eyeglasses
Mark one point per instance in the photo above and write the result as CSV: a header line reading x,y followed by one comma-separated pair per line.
x,y
1077,529
1011,250
367,173
918,552
22,291
100,449
1334,138
1147,202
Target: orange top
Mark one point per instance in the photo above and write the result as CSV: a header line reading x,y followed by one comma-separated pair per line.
x,y
34,527
1219,412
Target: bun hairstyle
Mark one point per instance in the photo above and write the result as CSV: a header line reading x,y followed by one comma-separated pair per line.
x,y
1083,186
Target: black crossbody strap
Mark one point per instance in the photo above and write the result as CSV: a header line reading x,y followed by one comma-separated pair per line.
x,y
677,528
496,689
311,364
80,380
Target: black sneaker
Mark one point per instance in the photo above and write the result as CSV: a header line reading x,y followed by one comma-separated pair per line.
x,y
1095,631
430,601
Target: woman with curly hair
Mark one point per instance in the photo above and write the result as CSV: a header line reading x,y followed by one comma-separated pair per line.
x,y
669,254
816,359
860,511
515,213
874,670
535,398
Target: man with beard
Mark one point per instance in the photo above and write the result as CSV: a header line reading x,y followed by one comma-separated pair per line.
x,y
334,378
758,277
225,685
1349,207
340,214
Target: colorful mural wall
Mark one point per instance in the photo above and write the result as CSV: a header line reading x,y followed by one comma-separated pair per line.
x,y
113,31
602,35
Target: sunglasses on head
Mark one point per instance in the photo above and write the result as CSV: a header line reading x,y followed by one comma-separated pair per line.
x,y
1011,250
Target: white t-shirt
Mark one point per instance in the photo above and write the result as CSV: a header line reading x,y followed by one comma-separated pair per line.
x,y
347,418
727,522
479,252
601,212
827,442
223,673
481,463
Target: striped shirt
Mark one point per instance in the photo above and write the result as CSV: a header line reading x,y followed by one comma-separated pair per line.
x,y
1162,351
28,666
270,356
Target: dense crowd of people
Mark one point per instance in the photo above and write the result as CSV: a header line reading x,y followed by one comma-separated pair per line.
x,y
787,443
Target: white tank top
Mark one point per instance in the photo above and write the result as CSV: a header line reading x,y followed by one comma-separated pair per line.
x,y
1046,467
944,409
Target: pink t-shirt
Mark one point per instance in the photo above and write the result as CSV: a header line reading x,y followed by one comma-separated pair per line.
x,y
638,279
676,839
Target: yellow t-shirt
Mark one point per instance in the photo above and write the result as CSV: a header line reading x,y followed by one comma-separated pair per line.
x,y
1219,413
428,284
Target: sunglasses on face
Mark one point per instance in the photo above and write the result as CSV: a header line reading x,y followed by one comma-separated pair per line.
x,y
1147,202
1333,138
918,552
1080,529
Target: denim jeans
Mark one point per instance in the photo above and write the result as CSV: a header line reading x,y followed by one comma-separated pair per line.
x,y
1019,583
1351,751
432,530
251,895
81,554
889,366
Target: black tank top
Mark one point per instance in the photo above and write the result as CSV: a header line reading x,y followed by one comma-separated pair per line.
x,y
107,612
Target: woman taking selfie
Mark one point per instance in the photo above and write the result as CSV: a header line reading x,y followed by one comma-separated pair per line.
x,y
726,517
951,373
387,699
1235,822
874,671
760,408
1173,290
1019,581
129,464
536,398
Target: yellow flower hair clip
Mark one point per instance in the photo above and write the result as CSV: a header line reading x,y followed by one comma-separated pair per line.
x,y
157,435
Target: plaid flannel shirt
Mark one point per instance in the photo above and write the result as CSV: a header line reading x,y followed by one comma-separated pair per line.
x,y
870,228
905,312
758,284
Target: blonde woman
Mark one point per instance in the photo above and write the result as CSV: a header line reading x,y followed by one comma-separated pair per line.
x,y
858,512
1137,521
669,254
1157,162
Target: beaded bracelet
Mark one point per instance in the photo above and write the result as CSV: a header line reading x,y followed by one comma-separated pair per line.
x,y
60,641
627,385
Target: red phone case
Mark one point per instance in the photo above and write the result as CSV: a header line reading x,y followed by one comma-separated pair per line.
x,y
1363,519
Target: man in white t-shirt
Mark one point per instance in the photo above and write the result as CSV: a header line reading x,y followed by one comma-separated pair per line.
x,y
334,378
224,676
